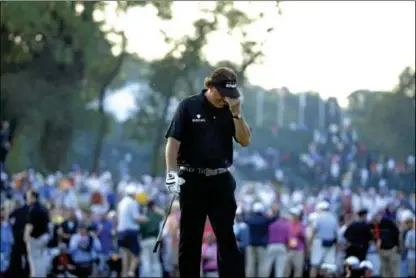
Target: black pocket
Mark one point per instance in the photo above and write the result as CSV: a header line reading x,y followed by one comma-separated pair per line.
x,y
230,181
328,242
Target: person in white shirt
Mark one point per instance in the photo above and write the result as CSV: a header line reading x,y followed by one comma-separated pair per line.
x,y
410,244
129,219
323,238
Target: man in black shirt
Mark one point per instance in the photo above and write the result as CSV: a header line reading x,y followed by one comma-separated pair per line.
x,y
18,259
36,235
387,243
358,235
199,152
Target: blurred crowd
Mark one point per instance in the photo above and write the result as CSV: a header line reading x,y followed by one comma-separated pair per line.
x,y
335,156
282,232
336,210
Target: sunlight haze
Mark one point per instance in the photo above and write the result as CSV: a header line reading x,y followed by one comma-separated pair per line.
x,y
332,48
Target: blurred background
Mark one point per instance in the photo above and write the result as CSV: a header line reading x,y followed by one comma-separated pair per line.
x,y
95,83
89,87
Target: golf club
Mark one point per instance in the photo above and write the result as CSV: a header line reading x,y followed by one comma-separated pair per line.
x,y
159,237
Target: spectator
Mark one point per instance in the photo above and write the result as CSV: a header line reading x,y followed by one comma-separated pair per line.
x,y
18,260
104,227
358,236
128,231
84,249
6,242
366,268
62,263
209,256
68,227
296,245
36,235
410,245
372,253
387,243
149,231
352,267
342,244
114,265
323,239
242,232
258,224
276,252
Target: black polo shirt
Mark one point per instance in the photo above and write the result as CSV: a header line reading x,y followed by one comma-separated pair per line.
x,y
205,132
39,218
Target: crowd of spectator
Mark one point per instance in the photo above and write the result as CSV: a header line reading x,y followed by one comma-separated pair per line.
x,y
277,229
334,210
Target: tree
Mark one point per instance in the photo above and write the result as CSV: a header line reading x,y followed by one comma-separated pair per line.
x,y
107,80
56,58
182,70
388,125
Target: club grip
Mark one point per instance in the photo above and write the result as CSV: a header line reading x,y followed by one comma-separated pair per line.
x,y
156,246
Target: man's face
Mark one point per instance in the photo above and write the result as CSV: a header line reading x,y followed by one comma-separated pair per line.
x,y
217,98
29,198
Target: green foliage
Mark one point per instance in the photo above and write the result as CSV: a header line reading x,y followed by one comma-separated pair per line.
x,y
386,121
55,60
178,74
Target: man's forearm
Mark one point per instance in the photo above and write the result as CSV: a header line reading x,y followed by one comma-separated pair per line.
x,y
242,132
171,154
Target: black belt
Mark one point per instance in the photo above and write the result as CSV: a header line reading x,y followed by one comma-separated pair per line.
x,y
205,171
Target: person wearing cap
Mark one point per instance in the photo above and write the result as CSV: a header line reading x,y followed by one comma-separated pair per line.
x,y
352,267
129,219
366,269
358,236
328,270
410,244
323,238
258,223
199,152
296,244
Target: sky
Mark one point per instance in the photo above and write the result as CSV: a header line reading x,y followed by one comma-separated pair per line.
x,y
330,47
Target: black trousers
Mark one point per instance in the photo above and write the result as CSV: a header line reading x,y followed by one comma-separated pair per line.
x,y
358,251
200,197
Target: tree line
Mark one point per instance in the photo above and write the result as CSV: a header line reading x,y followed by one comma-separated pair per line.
x,y
56,58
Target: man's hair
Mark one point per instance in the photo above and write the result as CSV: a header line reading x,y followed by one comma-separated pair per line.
x,y
220,75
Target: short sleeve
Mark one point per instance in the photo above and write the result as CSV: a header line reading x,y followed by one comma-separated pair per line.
x,y
177,125
31,216
134,210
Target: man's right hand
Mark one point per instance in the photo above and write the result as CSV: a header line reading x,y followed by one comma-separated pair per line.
x,y
173,182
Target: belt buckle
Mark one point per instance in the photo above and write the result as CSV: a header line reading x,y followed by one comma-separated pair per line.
x,y
209,172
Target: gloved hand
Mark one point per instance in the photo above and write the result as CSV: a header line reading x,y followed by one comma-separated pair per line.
x,y
173,182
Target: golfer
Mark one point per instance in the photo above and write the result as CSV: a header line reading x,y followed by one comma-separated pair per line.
x,y
199,151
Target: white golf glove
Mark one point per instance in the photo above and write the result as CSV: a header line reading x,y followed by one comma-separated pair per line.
x,y
173,182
